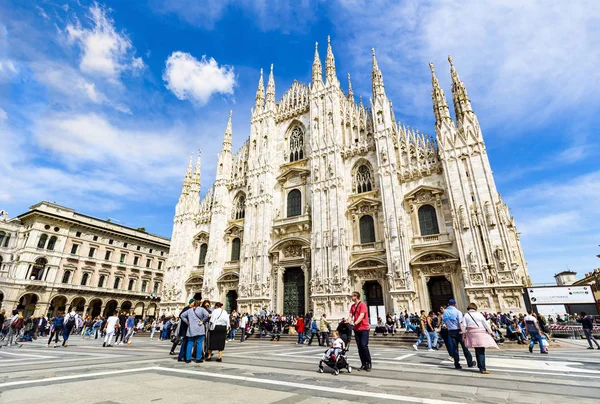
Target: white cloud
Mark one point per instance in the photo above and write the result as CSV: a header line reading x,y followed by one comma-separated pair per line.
x,y
197,80
522,61
3,114
105,51
68,81
559,224
42,13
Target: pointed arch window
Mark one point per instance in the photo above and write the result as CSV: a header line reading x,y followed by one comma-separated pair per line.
x,y
294,203
84,279
367,229
117,283
203,251
296,144
239,207
364,179
101,281
428,221
66,277
51,243
42,241
235,249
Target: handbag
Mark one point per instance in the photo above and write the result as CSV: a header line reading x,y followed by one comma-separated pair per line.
x,y
211,325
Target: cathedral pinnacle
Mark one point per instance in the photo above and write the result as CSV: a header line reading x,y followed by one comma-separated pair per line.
x,y
330,75
260,94
228,135
350,92
378,88
195,183
462,104
187,180
317,69
270,105
440,106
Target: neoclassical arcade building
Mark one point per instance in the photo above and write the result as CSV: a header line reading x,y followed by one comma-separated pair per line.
x,y
53,258
328,196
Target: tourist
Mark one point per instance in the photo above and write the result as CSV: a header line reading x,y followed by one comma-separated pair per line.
x,y
453,318
514,333
359,317
233,325
181,333
110,329
120,331
195,320
57,328
300,329
129,328
314,331
587,322
243,326
153,329
324,325
426,329
217,326
478,335
70,323
390,323
532,329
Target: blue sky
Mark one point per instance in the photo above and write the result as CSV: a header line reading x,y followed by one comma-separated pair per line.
x,y
101,103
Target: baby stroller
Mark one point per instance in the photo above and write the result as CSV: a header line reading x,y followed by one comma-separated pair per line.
x,y
336,361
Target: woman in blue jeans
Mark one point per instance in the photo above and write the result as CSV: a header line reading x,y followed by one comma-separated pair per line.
x,y
195,318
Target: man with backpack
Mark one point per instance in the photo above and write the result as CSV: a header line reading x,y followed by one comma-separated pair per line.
x,y
70,323
14,325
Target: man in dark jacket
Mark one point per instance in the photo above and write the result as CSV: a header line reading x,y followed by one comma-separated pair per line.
x,y
182,333
587,322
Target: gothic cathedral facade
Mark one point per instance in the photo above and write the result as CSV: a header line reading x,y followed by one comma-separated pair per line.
x,y
328,196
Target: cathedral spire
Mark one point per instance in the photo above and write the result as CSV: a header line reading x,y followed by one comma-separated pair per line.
x,y
260,94
378,88
462,104
187,180
330,75
228,135
195,183
440,106
317,69
270,105
350,92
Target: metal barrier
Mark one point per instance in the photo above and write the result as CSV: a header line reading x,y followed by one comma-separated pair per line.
x,y
571,331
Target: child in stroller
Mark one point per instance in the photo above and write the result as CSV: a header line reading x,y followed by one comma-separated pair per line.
x,y
335,357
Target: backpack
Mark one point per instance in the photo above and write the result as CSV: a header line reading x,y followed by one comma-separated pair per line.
x,y
70,321
17,323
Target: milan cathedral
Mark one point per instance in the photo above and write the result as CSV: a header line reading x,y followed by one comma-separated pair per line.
x,y
328,196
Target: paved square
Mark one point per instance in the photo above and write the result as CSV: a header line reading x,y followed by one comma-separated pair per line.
x,y
269,372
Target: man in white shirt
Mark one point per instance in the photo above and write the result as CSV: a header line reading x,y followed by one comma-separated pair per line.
x,y
243,324
110,328
533,330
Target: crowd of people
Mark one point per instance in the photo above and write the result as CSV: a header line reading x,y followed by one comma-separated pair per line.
x,y
201,328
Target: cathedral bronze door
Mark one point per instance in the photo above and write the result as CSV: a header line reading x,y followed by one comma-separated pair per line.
x,y
440,292
293,292
231,301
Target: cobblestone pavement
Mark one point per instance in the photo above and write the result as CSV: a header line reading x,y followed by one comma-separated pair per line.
x,y
270,372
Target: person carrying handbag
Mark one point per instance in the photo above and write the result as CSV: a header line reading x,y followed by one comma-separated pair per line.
x,y
478,335
217,329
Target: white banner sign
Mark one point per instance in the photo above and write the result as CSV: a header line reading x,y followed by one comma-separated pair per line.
x,y
561,295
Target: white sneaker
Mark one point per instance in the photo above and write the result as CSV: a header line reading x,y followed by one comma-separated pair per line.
x,y
431,350
415,347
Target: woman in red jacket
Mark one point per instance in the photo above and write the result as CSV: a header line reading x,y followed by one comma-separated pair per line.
x,y
300,329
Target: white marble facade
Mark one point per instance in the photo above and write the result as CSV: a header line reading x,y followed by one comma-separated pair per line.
x,y
328,196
